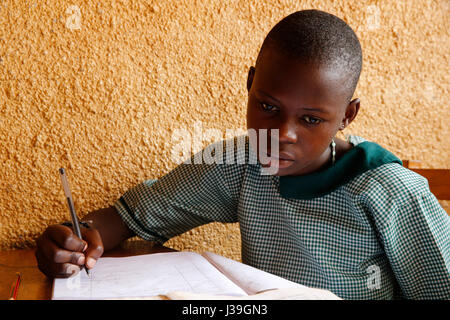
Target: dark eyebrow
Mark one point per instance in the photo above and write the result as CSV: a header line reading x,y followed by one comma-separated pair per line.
x,y
277,101
315,110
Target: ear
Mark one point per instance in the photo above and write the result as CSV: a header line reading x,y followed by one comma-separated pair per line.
x,y
251,74
350,113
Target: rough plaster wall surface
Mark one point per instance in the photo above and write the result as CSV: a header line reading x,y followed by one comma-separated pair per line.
x,y
99,87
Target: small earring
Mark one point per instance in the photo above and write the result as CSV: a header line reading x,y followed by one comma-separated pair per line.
x,y
333,152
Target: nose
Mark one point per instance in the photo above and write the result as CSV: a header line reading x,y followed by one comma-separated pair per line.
x,y
287,132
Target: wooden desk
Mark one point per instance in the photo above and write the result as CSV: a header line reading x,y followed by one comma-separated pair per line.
x,y
35,285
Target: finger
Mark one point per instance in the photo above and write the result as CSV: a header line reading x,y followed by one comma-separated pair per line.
x,y
65,238
55,270
95,246
55,254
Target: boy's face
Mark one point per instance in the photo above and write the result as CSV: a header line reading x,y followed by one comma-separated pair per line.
x,y
306,103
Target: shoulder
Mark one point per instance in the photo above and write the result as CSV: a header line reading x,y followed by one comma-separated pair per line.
x,y
391,182
232,159
399,181
386,173
392,192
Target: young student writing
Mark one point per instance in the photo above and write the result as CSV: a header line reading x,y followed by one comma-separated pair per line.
x,y
340,215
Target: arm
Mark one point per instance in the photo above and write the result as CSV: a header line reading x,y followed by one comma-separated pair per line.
x,y
188,196
110,226
416,241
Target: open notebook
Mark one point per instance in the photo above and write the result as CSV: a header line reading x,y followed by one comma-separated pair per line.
x,y
180,275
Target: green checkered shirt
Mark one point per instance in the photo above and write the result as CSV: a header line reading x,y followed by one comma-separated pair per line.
x,y
378,234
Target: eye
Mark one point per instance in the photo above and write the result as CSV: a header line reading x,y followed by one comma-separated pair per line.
x,y
311,120
268,107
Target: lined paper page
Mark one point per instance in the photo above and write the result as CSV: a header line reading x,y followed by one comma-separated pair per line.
x,y
253,281
146,275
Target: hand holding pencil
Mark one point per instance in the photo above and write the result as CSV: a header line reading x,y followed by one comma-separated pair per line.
x,y
75,224
62,250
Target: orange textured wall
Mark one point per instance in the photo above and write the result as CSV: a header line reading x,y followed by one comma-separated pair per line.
x,y
99,88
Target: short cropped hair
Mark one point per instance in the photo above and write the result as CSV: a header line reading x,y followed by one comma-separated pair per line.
x,y
320,38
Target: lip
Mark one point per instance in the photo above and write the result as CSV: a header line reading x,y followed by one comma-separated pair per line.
x,y
284,160
282,156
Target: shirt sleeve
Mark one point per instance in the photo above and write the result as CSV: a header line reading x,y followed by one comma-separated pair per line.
x,y
416,241
189,196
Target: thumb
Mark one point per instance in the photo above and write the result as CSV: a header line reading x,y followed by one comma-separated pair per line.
x,y
95,247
